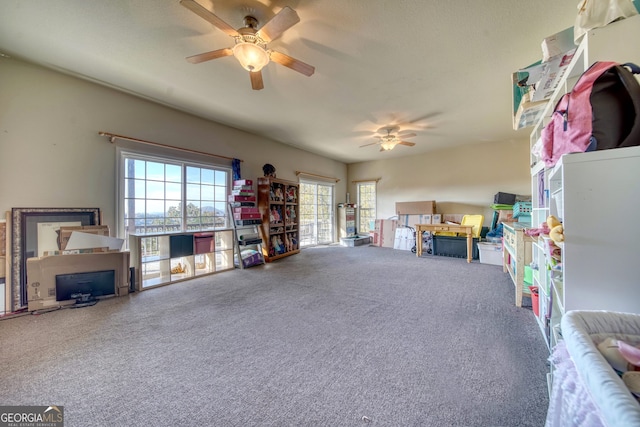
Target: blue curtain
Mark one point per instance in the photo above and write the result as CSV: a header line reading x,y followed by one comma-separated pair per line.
x,y
235,164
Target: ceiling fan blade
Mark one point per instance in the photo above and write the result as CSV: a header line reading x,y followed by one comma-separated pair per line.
x,y
209,16
407,135
283,20
366,145
256,80
292,63
207,56
408,144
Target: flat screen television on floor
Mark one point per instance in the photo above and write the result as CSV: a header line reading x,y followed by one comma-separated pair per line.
x,y
95,283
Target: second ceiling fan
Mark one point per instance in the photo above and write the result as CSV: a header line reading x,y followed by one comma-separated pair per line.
x,y
391,139
250,47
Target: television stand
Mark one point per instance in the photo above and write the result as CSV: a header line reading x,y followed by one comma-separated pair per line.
x,y
83,300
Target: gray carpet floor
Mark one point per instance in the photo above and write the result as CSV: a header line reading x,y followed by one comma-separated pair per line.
x,y
333,336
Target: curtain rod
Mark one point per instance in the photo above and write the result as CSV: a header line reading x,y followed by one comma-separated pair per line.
x,y
113,137
317,176
366,180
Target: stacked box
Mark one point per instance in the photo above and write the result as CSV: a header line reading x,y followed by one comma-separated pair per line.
x,y
243,202
385,232
504,198
249,200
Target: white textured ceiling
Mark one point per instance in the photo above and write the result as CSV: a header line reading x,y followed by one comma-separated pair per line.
x,y
437,67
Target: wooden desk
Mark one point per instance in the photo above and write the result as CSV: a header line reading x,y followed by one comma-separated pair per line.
x,y
455,228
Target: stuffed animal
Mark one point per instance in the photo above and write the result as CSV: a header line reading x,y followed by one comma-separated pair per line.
x,y
556,231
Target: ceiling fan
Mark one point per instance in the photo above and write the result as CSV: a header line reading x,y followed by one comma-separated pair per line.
x,y
391,139
250,47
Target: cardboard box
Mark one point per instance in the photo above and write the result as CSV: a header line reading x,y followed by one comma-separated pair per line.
x,y
505,215
247,215
247,193
557,44
384,233
246,209
413,208
436,219
412,220
245,222
234,198
41,274
404,239
76,251
65,233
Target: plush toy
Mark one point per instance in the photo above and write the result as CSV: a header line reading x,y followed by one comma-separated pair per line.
x,y
556,231
557,234
552,221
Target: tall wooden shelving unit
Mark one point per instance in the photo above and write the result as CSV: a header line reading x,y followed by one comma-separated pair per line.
x,y
278,202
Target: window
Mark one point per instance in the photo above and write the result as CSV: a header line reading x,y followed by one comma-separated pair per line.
x,y
366,206
165,195
316,213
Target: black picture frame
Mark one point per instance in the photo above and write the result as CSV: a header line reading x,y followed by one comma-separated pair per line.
x,y
24,241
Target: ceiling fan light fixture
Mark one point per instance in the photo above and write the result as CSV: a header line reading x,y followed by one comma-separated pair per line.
x,y
387,146
251,56
388,142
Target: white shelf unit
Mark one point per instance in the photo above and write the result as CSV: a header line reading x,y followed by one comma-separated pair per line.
x,y
589,192
162,258
516,253
599,190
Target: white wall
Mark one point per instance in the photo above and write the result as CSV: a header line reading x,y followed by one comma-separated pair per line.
x,y
51,154
461,180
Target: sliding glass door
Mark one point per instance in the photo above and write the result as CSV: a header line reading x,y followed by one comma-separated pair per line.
x,y
316,213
